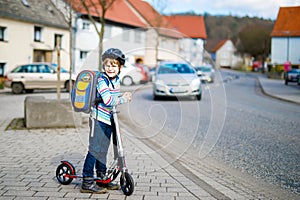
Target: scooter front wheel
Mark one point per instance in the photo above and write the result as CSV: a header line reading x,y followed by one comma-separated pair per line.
x,y
63,173
127,184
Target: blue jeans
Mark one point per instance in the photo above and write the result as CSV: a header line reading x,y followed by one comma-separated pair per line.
x,y
99,140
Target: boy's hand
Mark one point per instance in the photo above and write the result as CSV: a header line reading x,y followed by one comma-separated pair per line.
x,y
128,96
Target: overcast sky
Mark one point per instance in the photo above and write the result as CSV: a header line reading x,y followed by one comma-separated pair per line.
x,y
267,9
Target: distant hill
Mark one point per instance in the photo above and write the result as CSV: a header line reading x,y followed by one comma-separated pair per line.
x,y
228,27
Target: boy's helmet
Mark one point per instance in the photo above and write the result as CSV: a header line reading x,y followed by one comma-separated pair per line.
x,y
114,54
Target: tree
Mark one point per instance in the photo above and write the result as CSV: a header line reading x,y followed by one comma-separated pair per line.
x,y
255,39
96,10
69,20
157,22
66,10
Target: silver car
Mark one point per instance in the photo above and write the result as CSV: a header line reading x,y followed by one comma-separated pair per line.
x,y
36,76
206,73
176,79
130,75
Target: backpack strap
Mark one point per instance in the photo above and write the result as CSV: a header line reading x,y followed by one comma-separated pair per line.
x,y
107,80
98,98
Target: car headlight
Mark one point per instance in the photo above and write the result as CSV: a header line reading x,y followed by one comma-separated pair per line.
x,y
195,82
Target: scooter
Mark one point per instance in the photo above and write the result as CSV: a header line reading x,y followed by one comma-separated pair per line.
x,y
66,172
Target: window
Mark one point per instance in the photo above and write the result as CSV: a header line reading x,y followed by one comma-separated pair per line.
x,y
137,37
83,54
2,65
2,33
43,69
85,25
126,34
56,38
37,34
163,43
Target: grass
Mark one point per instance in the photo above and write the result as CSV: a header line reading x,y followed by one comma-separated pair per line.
x,y
16,124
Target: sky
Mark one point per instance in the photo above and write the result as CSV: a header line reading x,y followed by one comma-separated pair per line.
x,y
267,9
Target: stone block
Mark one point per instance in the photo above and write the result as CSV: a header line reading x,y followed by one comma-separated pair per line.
x,y
50,113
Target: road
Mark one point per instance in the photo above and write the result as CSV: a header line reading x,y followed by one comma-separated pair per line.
x,y
234,123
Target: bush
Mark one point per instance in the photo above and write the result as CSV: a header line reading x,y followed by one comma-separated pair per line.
x,y
1,83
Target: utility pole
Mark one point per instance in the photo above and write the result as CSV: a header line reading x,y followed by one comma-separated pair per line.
x,y
58,66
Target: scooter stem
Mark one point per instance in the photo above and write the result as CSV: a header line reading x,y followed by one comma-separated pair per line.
x,y
118,133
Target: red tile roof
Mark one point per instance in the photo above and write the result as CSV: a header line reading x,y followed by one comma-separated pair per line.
x,y
119,12
219,45
154,18
287,22
190,26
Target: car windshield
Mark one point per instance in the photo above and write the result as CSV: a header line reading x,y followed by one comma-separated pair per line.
x,y
63,70
203,69
173,68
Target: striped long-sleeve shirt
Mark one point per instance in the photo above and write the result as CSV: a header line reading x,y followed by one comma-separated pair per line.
x,y
111,96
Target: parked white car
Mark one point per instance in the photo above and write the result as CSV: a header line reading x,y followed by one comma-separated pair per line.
x,y
36,76
130,74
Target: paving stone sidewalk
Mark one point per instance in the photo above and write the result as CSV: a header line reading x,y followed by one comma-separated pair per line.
x,y
29,159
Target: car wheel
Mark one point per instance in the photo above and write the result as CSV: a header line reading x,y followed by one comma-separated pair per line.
x,y
286,82
127,80
68,86
17,88
199,97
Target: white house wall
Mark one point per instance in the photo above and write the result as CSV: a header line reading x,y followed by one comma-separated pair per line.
x,y
225,55
285,49
128,41
168,48
192,50
20,43
88,40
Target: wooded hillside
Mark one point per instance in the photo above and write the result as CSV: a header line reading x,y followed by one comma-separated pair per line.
x,y
229,27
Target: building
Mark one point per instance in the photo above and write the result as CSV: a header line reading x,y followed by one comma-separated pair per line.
x,y
29,32
224,54
123,29
134,26
138,30
193,36
286,37
162,40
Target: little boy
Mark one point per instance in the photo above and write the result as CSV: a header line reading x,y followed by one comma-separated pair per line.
x,y
108,87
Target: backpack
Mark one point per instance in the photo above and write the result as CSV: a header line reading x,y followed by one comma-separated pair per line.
x,y
84,94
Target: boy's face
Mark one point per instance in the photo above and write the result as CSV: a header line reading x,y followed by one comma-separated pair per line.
x,y
111,67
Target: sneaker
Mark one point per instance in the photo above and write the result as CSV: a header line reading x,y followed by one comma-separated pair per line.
x,y
102,175
89,186
110,186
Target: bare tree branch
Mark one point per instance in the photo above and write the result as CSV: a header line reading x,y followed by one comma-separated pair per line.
x,y
96,6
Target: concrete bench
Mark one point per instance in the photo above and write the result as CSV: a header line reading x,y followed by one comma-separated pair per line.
x,y
50,113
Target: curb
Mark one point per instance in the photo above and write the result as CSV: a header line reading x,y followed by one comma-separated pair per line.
x,y
274,96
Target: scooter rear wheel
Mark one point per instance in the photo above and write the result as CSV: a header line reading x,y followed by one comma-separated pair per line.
x,y
127,184
62,172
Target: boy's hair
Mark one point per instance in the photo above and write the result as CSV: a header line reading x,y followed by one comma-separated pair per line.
x,y
111,61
